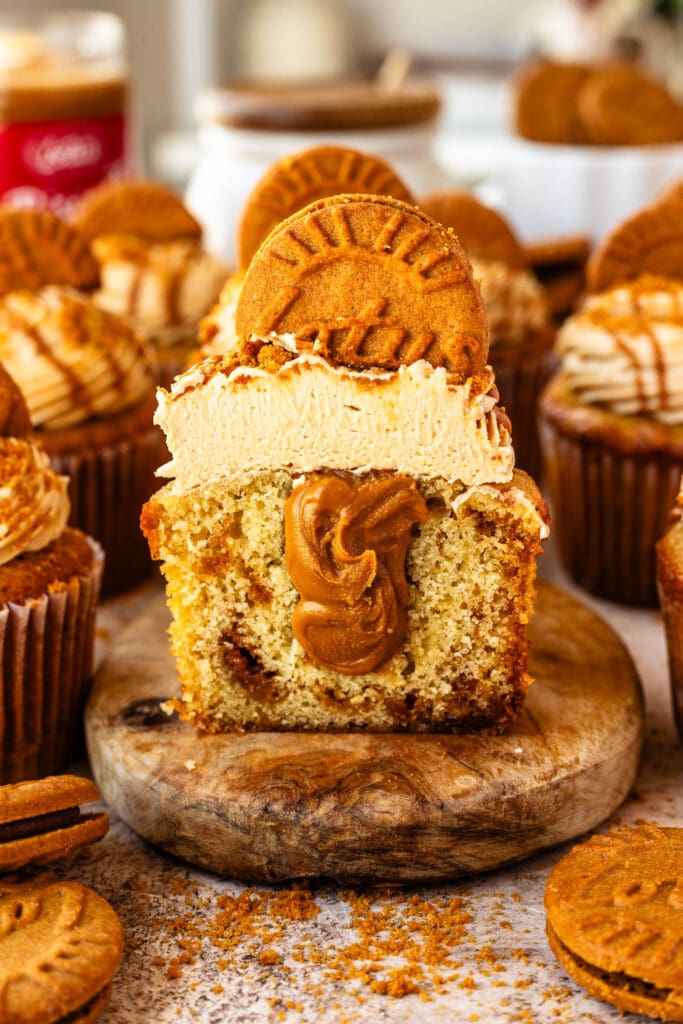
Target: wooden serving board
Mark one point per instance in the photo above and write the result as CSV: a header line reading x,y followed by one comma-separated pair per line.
x,y
370,807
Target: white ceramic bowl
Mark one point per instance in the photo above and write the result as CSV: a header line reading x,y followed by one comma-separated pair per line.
x,y
562,190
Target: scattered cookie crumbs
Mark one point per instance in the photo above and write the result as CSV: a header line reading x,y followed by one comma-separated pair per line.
x,y
190,765
381,944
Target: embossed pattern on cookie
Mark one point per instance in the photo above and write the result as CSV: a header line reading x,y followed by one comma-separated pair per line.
x,y
649,242
37,248
616,902
298,180
60,946
367,282
481,230
141,208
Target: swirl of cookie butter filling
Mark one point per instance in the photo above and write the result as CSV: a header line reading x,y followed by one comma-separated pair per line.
x,y
34,503
164,288
345,551
624,350
72,361
515,301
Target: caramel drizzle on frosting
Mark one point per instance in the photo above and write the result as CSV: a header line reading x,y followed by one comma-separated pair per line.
x,y
78,389
638,309
345,551
171,295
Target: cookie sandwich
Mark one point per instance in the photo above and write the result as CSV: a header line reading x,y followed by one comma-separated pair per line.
x,y
345,540
614,909
60,947
41,820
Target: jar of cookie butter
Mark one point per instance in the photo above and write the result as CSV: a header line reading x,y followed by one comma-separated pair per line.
x,y
64,123
244,127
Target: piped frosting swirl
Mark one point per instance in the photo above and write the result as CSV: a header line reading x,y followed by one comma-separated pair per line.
x,y
164,288
72,360
624,349
34,504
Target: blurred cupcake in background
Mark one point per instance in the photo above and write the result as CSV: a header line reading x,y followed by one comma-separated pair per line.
x,y
560,265
50,579
612,432
154,269
520,322
670,589
89,384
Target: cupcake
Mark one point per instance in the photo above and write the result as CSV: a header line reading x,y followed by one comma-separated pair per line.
x,y
670,589
154,269
518,312
612,432
346,542
89,384
50,579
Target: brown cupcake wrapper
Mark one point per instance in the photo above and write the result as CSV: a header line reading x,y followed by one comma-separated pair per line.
x,y
108,487
672,612
609,510
520,378
46,652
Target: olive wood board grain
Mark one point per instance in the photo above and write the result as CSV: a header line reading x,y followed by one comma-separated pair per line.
x,y
364,807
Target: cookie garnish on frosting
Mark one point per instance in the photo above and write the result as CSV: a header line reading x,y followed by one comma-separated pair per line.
x,y
295,181
649,242
142,208
37,248
367,282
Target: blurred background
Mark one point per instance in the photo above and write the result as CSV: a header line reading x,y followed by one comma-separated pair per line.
x,y
136,88
177,47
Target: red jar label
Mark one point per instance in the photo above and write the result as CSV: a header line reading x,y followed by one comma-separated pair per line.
x,y
49,164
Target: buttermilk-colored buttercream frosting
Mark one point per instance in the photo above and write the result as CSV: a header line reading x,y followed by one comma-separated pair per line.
x,y
72,360
34,504
163,287
624,349
308,415
516,304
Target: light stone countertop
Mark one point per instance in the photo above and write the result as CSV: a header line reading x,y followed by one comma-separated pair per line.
x,y
501,967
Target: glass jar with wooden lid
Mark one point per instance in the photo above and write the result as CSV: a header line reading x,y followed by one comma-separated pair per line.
x,y
63,106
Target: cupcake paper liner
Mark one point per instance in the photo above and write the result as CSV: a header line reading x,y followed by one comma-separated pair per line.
x,y
46,651
670,588
609,510
520,378
108,487
672,611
